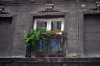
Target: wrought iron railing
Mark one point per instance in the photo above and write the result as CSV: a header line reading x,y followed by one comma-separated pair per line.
x,y
47,52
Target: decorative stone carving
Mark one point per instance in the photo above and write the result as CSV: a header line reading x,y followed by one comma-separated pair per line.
x,y
98,5
49,8
97,8
2,10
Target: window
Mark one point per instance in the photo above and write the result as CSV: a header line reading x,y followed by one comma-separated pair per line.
x,y
51,24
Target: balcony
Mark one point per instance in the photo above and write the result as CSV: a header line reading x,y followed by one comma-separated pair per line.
x,y
47,52
52,48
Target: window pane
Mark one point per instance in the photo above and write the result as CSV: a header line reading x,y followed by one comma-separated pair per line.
x,y
56,25
42,45
41,24
55,44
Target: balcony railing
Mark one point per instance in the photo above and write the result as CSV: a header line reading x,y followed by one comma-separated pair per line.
x,y
50,53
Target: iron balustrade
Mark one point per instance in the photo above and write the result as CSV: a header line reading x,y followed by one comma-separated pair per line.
x,y
46,52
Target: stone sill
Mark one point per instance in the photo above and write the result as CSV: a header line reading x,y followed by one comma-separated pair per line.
x,y
49,59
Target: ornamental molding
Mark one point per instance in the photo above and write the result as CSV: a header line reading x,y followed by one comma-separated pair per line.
x,y
97,8
2,10
50,8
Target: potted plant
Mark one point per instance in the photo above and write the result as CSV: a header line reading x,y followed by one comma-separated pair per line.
x,y
56,33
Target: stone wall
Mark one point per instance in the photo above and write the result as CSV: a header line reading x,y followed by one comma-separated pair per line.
x,y
44,62
23,18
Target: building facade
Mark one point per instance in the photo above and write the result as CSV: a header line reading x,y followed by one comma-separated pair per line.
x,y
79,19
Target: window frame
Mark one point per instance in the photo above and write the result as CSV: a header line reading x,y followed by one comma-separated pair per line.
x,y
49,21
48,27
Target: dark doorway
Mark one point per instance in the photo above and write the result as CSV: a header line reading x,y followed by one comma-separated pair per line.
x,y
5,36
92,35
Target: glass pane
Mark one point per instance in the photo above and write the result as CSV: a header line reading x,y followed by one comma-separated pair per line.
x,y
42,24
42,46
55,44
56,25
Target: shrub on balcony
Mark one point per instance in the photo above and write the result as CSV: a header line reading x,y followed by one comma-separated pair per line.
x,y
33,37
